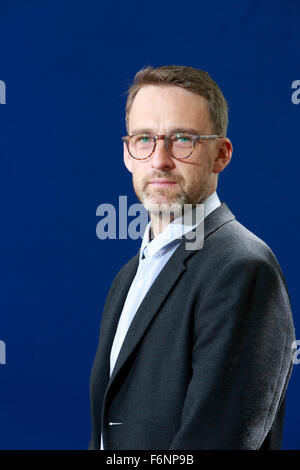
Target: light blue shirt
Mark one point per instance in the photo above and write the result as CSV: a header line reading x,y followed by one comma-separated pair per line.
x,y
154,254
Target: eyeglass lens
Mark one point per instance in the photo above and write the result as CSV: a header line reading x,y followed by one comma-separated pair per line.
x,y
179,145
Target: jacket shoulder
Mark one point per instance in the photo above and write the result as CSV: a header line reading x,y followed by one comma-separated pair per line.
x,y
234,241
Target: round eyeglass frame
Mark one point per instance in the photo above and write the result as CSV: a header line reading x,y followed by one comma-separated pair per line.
x,y
195,138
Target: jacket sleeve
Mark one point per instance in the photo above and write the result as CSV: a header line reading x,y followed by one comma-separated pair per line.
x,y
91,444
241,358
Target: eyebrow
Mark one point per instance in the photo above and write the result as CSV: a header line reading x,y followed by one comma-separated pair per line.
x,y
171,131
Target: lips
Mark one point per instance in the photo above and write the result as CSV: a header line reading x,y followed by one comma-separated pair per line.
x,y
162,182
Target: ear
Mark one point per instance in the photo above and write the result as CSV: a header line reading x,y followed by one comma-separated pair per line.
x,y
224,154
127,158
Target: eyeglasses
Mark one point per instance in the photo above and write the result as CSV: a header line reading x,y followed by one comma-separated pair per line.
x,y
178,144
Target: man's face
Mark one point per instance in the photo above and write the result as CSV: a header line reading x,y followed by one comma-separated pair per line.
x,y
162,179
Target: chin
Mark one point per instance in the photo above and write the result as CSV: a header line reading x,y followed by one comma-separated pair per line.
x,y
163,205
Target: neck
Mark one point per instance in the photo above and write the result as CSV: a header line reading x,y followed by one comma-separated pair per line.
x,y
159,222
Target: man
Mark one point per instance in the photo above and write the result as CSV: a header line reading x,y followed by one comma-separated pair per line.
x,y
195,344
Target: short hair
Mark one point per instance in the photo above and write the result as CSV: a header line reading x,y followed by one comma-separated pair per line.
x,y
195,80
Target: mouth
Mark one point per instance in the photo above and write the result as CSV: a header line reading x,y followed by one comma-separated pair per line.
x,y
162,182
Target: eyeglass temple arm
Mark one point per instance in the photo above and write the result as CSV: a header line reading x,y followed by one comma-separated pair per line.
x,y
207,137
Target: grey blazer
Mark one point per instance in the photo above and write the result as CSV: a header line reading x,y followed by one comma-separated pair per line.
x,y
207,358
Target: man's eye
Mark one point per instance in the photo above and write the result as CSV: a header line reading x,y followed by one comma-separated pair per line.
x,y
143,139
181,138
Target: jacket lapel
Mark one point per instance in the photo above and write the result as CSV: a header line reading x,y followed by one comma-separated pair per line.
x,y
157,293
147,310
112,311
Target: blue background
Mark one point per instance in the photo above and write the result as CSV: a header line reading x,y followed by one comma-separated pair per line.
x,y
67,65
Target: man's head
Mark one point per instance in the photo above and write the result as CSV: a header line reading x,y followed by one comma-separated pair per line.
x,y
175,99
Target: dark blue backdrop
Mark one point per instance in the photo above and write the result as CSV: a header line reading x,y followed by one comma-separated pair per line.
x,y
66,65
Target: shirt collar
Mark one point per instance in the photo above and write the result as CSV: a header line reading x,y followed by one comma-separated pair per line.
x,y
177,228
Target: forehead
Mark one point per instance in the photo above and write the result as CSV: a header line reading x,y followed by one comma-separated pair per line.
x,y
165,107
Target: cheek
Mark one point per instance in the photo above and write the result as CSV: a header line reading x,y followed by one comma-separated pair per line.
x,y
192,176
139,170
137,177
194,179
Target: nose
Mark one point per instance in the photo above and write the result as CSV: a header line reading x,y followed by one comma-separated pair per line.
x,y
160,158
